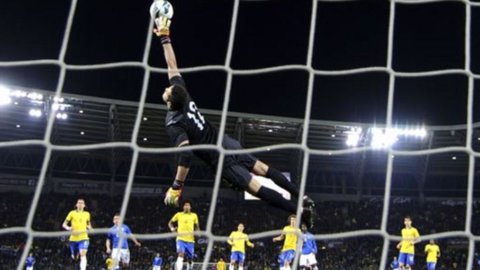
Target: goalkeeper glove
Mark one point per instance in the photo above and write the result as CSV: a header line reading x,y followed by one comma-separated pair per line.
x,y
162,29
174,193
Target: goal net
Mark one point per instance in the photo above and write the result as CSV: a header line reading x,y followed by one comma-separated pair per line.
x,y
292,134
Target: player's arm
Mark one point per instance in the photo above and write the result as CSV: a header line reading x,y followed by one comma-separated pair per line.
x,y
196,225
179,138
416,238
279,238
107,244
315,248
162,30
250,244
135,241
89,224
67,220
230,239
170,223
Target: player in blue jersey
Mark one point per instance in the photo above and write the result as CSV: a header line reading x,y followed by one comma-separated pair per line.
x,y
117,242
157,262
395,265
308,260
30,261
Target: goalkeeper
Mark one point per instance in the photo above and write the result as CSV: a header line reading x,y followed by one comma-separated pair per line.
x,y
186,126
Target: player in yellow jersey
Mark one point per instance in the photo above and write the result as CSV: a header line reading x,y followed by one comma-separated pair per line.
x,y
290,233
237,240
187,223
433,253
410,237
221,264
79,221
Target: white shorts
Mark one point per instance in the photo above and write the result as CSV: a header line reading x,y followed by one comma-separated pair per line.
x,y
124,255
156,267
308,259
29,268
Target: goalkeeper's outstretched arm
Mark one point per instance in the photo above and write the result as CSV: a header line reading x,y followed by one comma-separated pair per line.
x,y
162,30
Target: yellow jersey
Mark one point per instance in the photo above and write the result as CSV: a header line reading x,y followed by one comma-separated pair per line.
x,y
186,225
432,252
408,236
221,265
239,239
109,263
291,237
79,220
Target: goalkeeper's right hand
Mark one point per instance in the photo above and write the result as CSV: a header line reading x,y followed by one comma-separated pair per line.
x,y
172,197
162,26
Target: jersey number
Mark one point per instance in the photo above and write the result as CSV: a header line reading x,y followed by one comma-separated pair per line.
x,y
195,115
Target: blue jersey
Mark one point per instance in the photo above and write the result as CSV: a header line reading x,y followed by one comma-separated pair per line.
x,y
114,236
157,261
30,261
309,245
395,264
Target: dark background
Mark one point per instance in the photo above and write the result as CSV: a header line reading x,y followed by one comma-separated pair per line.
x,y
348,35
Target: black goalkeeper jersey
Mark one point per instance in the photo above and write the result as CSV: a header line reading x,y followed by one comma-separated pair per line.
x,y
189,124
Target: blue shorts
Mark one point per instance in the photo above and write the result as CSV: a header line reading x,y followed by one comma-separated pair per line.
x,y
237,256
406,258
286,256
431,265
186,248
76,246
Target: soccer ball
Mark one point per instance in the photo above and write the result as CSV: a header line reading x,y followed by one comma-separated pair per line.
x,y
161,8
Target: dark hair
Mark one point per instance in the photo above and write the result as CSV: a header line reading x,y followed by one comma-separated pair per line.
x,y
291,216
407,217
187,201
178,98
117,214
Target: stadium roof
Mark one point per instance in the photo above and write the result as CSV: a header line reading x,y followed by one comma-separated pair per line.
x,y
92,120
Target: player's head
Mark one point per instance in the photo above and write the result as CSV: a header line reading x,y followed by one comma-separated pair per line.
x,y
407,220
432,241
187,206
30,254
292,219
80,205
240,227
394,258
304,228
116,219
158,255
175,96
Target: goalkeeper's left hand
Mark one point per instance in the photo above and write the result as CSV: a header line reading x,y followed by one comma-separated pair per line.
x,y
162,26
174,193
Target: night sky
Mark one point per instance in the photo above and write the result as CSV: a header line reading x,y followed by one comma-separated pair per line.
x,y
348,35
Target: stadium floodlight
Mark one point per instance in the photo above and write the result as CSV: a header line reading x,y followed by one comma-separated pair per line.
x,y
383,138
5,98
62,116
35,112
353,137
35,96
18,93
58,99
